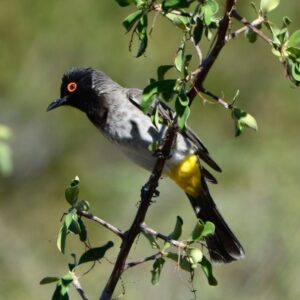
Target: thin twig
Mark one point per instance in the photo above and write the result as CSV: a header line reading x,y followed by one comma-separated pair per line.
x,y
78,287
243,20
216,98
107,225
254,23
198,50
156,234
142,260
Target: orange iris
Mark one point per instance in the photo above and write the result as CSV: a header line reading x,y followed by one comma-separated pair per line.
x,y
71,87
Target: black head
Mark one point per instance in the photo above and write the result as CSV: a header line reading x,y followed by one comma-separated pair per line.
x,y
77,89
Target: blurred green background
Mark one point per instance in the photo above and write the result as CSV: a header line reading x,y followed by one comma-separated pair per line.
x,y
258,191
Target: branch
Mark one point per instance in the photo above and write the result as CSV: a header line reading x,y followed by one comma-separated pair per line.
x,y
145,259
78,287
156,234
206,65
147,193
110,227
251,25
214,97
243,20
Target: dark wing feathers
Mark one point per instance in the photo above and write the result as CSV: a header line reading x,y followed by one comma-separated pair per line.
x,y
135,96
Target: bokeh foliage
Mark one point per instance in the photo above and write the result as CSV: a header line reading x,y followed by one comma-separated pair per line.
x,y
258,191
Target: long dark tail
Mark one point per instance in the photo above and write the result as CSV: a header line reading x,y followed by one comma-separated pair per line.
x,y
223,246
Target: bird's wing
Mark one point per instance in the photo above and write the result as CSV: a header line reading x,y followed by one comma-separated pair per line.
x,y
135,96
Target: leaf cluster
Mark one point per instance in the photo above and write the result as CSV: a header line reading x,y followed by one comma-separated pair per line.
x,y
285,46
188,256
73,224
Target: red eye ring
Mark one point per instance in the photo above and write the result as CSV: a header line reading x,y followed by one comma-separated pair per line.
x,y
71,87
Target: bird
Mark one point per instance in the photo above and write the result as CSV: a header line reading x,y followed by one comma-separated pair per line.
x,y
116,112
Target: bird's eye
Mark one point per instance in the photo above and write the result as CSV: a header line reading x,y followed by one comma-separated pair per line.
x,y
71,87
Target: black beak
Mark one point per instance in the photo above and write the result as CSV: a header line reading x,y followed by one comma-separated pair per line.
x,y
57,103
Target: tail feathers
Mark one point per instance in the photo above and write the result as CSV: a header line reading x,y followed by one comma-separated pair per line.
x,y
223,246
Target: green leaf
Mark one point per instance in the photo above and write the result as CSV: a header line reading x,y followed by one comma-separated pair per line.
x,y
72,191
155,117
61,239
130,20
209,229
156,271
173,4
181,119
202,230
294,52
209,10
179,59
197,232
254,7
67,279
176,233
152,240
162,70
183,261
181,22
94,254
207,269
214,6
183,112
243,120
57,295
142,35
48,280
124,3
154,88
294,39
83,205
268,5
5,159
286,21
295,68
198,31
74,226
183,99
208,33
251,35
82,232
187,61
62,287
68,219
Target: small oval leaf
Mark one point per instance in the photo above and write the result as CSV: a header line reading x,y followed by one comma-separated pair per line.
x,y
48,280
132,19
268,5
207,269
294,39
61,239
156,271
94,254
